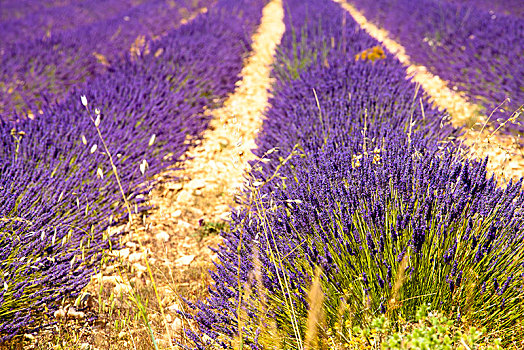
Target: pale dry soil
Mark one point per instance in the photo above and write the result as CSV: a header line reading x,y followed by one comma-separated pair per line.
x,y
175,238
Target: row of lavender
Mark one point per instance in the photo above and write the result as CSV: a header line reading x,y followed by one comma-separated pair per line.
x,y
18,9
506,7
35,72
58,190
478,51
50,21
365,185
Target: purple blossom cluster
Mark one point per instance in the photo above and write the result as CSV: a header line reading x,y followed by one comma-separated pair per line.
x,y
377,190
43,70
58,190
475,50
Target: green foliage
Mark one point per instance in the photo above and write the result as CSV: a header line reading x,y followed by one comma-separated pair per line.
x,y
208,228
429,330
302,55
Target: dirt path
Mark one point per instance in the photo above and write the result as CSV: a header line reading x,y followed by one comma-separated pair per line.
x,y
190,213
506,158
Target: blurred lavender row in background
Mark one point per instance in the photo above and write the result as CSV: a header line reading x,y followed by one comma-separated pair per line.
x,y
35,72
10,9
51,21
495,7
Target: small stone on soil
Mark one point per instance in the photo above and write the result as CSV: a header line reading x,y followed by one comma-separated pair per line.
x,y
177,324
185,260
135,257
162,236
196,184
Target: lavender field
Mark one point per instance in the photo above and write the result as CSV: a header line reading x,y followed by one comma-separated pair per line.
x,y
361,221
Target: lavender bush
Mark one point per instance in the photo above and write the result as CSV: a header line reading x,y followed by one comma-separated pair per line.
x,y
478,52
374,193
58,190
33,73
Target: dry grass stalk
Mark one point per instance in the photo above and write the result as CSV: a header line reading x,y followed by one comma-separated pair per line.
x,y
394,302
315,313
